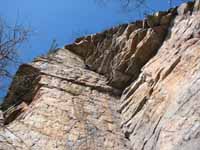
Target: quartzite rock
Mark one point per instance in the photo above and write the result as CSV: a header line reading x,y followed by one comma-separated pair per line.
x,y
132,87
163,111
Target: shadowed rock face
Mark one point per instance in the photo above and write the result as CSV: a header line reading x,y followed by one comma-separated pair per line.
x,y
120,53
132,87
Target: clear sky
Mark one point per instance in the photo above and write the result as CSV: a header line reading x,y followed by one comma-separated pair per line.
x,y
65,20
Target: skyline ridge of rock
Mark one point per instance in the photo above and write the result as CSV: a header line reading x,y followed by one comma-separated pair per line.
x,y
131,87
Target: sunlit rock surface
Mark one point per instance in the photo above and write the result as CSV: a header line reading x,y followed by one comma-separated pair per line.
x,y
132,87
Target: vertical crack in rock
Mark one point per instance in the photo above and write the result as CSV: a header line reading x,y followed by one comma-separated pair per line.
x,y
169,77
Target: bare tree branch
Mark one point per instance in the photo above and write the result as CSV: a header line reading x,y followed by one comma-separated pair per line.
x,y
11,37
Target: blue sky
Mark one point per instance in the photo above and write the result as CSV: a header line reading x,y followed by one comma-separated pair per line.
x,y
65,20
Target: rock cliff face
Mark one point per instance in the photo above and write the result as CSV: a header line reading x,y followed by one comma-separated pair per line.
x,y
132,87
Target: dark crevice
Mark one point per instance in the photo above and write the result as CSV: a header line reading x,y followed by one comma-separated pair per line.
x,y
171,68
154,130
21,93
109,90
139,108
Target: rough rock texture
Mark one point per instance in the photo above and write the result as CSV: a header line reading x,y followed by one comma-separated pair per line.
x,y
120,53
61,105
132,87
